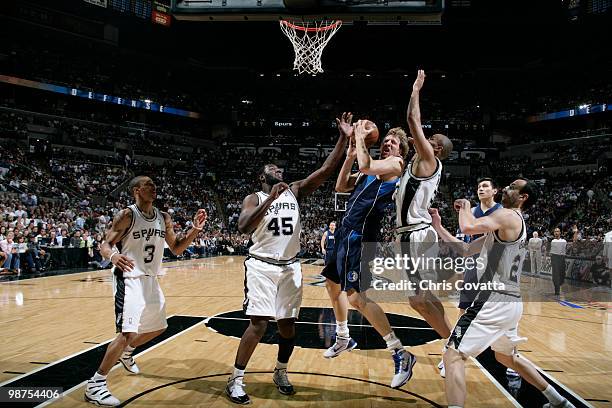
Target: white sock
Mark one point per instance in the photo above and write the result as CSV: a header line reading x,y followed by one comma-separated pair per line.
x,y
98,376
128,350
553,396
342,329
393,343
454,406
237,373
281,366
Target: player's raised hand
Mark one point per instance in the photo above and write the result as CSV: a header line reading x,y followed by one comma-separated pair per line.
x,y
461,203
436,220
122,262
278,189
344,124
199,219
419,81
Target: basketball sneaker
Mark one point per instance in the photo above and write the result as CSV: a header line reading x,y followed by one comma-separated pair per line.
x,y
235,391
97,393
564,404
282,382
128,362
341,344
404,361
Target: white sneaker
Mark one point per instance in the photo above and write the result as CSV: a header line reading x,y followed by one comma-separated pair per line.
x,y
97,393
564,404
235,391
128,362
340,346
442,369
404,361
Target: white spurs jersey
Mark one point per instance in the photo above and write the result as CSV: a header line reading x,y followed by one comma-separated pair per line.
x,y
277,237
414,195
502,261
144,243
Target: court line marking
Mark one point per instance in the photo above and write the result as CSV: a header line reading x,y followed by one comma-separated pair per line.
x,y
63,359
560,384
497,384
402,390
65,393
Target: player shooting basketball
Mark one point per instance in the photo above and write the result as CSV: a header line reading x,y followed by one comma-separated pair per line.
x,y
371,192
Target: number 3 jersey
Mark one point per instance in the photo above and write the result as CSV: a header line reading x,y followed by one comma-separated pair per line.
x,y
143,243
277,237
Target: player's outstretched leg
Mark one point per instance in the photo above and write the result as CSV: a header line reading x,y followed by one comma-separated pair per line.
x,y
403,360
531,375
126,359
343,341
251,337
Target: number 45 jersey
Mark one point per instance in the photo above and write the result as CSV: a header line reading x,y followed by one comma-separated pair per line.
x,y
277,237
143,243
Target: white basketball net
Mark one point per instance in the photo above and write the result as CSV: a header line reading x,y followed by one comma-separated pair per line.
x,y
309,39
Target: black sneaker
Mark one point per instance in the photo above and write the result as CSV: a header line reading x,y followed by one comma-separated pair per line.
x,y
235,391
282,382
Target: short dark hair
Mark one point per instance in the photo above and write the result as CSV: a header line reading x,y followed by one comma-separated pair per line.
x,y
489,179
263,168
135,183
531,189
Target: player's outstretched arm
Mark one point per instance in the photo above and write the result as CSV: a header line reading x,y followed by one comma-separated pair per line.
x,y
252,212
305,187
346,181
390,166
463,248
113,234
178,243
502,218
421,145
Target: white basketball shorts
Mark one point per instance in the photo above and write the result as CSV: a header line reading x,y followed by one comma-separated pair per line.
x,y
272,290
140,306
493,322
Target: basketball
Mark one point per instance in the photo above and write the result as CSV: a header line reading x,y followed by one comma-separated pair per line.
x,y
372,137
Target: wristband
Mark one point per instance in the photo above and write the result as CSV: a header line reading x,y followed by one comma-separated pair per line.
x,y
110,258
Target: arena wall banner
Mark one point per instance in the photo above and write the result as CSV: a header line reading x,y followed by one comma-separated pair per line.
x,y
118,100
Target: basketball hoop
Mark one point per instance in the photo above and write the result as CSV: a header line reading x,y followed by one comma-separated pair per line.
x,y
309,39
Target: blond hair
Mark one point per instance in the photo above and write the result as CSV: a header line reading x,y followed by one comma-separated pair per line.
x,y
402,137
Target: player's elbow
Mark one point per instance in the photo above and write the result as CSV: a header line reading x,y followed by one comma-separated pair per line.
x,y
243,227
365,168
469,229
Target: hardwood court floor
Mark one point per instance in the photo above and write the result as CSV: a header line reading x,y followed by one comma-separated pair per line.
x,y
48,319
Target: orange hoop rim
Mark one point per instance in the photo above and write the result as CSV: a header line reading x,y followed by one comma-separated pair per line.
x,y
311,29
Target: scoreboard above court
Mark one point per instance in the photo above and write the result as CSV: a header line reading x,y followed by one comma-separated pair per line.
x,y
381,11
